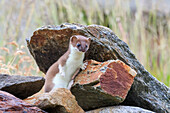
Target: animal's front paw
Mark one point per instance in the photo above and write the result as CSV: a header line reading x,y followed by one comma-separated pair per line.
x,y
63,74
61,71
83,67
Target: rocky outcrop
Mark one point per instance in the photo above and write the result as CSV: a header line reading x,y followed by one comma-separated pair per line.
x,y
57,101
48,43
21,86
11,104
120,109
103,84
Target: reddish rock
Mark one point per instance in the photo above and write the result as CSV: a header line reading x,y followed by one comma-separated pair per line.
x,y
11,104
59,100
103,84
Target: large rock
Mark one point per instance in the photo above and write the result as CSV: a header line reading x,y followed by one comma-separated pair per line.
x,y
120,109
21,86
48,43
11,104
103,84
57,101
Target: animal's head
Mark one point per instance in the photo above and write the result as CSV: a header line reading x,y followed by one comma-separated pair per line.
x,y
80,43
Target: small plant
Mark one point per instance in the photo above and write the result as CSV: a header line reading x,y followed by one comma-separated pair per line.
x,y
16,61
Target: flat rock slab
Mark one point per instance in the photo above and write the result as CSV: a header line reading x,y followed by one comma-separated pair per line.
x,y
103,84
56,101
11,104
120,109
21,86
48,43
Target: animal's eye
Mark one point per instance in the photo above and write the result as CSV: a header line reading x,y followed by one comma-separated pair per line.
x,y
78,45
86,46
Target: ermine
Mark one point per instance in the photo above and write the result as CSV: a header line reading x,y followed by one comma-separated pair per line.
x,y
61,72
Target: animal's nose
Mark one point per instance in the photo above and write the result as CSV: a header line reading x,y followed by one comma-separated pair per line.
x,y
83,50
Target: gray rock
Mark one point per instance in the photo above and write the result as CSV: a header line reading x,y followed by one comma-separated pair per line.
x,y
21,86
48,43
120,109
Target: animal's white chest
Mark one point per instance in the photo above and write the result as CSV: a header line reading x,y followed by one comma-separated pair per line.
x,y
73,63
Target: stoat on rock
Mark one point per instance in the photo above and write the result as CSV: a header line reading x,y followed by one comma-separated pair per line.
x,y
60,74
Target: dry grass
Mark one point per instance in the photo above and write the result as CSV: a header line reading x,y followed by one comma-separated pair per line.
x,y
147,35
17,61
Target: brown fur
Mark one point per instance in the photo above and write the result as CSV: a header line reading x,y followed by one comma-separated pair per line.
x,y
54,69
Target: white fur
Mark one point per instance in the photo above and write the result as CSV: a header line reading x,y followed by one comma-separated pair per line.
x,y
74,62
61,71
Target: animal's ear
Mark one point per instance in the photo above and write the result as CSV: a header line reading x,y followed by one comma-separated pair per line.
x,y
73,38
89,39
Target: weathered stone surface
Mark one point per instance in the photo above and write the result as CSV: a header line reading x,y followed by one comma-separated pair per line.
x,y
11,104
57,101
103,84
120,109
21,86
48,43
